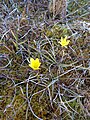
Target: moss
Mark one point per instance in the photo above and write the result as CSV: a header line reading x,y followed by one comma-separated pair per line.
x,y
32,34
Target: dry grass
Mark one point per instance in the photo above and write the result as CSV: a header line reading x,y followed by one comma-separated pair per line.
x,y
60,90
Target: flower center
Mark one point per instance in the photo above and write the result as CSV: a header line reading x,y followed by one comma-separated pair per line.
x,y
35,65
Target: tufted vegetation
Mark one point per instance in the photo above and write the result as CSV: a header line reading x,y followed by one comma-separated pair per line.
x,y
57,85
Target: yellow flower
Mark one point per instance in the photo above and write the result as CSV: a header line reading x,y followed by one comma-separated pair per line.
x,y
64,42
34,64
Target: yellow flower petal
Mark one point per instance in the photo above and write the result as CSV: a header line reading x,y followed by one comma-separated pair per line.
x,y
62,39
31,60
65,37
64,42
34,64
